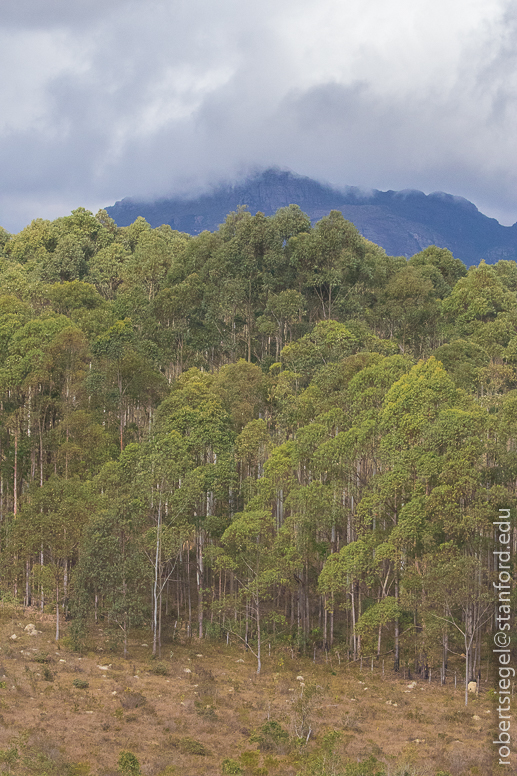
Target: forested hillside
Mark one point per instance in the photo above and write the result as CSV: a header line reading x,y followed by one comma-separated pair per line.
x,y
273,429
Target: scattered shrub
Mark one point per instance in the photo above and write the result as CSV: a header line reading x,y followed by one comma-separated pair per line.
x,y
189,745
128,764
271,737
81,684
160,669
369,767
230,767
9,756
48,676
41,659
206,710
250,759
79,769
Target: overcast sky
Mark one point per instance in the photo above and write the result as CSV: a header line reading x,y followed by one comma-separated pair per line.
x,y
106,99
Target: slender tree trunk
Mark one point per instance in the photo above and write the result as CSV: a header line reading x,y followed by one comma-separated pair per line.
x,y
189,597
396,665
259,664
325,621
200,581
15,483
156,577
354,637
332,620
57,610
27,582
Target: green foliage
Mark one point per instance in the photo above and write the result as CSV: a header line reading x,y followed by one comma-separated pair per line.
x,y
128,764
160,669
9,756
81,684
189,745
369,767
39,658
324,761
271,737
243,428
250,759
230,767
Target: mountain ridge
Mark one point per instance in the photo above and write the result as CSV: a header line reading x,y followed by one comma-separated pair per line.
x,y
402,222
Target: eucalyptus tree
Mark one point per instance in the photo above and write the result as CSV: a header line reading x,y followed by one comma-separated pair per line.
x,y
49,525
247,550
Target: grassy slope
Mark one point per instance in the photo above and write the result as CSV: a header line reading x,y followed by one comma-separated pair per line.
x,y
219,704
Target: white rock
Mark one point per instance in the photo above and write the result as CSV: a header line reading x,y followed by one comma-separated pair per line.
x,y
187,671
30,627
103,668
411,685
472,686
199,655
14,637
476,717
300,679
240,660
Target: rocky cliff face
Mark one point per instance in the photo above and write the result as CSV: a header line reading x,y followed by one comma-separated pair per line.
x,y
402,222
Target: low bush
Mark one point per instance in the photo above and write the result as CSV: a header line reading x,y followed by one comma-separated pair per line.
x,y
230,767
271,737
160,669
128,764
48,676
40,658
189,745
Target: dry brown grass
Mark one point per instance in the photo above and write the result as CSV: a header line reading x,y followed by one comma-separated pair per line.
x,y
219,704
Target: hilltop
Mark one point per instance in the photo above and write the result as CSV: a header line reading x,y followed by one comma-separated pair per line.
x,y
401,222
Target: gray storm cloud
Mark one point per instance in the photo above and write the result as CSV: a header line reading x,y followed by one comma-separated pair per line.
x,y
146,98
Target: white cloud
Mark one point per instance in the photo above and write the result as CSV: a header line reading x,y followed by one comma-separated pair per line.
x,y
127,98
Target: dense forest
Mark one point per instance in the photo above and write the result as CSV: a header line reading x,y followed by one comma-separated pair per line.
x,y
273,431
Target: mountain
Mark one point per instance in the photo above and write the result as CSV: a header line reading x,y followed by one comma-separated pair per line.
x,y
402,222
